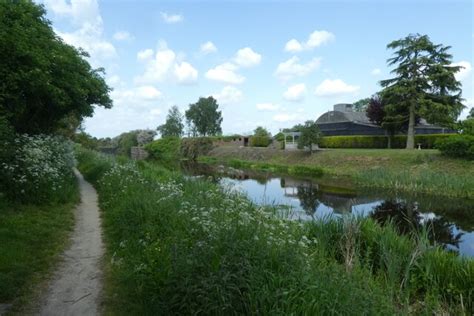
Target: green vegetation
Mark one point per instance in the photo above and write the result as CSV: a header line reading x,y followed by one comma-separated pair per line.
x,y
260,141
184,246
165,150
203,118
399,141
310,135
424,85
47,85
31,237
174,126
297,170
416,171
460,146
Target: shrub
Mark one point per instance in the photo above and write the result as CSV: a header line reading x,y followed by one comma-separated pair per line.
x,y
165,149
191,148
398,141
260,141
459,146
40,171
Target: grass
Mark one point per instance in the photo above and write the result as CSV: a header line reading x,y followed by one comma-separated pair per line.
x,y
31,238
422,171
186,246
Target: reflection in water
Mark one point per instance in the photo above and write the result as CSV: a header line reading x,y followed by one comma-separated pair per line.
x,y
406,217
449,222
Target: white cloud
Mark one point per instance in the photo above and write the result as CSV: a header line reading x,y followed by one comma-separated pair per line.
x,y
229,95
84,15
334,88
164,65
123,36
293,46
185,73
171,18
246,57
295,93
147,93
225,73
208,47
292,68
145,54
315,39
464,72
267,107
376,72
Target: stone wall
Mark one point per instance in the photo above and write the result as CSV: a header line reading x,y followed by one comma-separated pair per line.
x,y
138,153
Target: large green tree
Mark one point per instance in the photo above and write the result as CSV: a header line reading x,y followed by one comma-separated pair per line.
x,y
424,83
45,84
174,126
203,117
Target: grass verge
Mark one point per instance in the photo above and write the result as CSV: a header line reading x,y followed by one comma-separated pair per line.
x,y
31,238
185,246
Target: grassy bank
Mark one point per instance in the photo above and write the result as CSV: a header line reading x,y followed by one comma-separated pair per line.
x,y
31,239
425,171
182,246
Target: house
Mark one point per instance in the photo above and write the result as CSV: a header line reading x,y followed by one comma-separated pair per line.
x,y
344,121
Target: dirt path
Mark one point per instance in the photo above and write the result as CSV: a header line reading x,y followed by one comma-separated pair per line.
x,y
76,286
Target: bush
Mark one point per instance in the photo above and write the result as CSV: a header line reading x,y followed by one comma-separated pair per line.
x,y
398,141
165,150
40,169
191,148
459,146
260,141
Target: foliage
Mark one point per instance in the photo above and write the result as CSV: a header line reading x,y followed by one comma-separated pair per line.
x,y
398,141
39,169
166,150
260,141
203,117
45,82
310,135
192,148
424,83
180,246
296,128
173,126
467,126
280,137
375,110
361,105
86,140
261,132
459,146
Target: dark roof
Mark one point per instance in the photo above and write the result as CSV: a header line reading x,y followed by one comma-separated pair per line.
x,y
337,116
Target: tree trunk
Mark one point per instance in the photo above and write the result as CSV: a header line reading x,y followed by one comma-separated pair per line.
x,y
411,128
389,142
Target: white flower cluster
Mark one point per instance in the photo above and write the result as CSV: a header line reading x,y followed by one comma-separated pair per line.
x,y
41,165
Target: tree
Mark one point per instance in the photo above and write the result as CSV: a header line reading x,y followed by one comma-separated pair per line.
x,y
46,84
471,114
203,118
424,83
310,135
361,105
173,126
261,132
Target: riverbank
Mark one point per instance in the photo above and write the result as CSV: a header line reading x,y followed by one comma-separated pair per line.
x,y
424,171
177,245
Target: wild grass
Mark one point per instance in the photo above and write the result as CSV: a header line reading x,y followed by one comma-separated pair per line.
x,y
425,181
186,246
31,237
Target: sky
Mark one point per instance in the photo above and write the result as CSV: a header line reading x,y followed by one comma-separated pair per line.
x,y
268,63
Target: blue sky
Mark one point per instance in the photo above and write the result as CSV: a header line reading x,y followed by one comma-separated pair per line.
x,y
268,63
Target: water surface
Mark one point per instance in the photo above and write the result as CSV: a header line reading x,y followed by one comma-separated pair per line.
x,y
451,221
